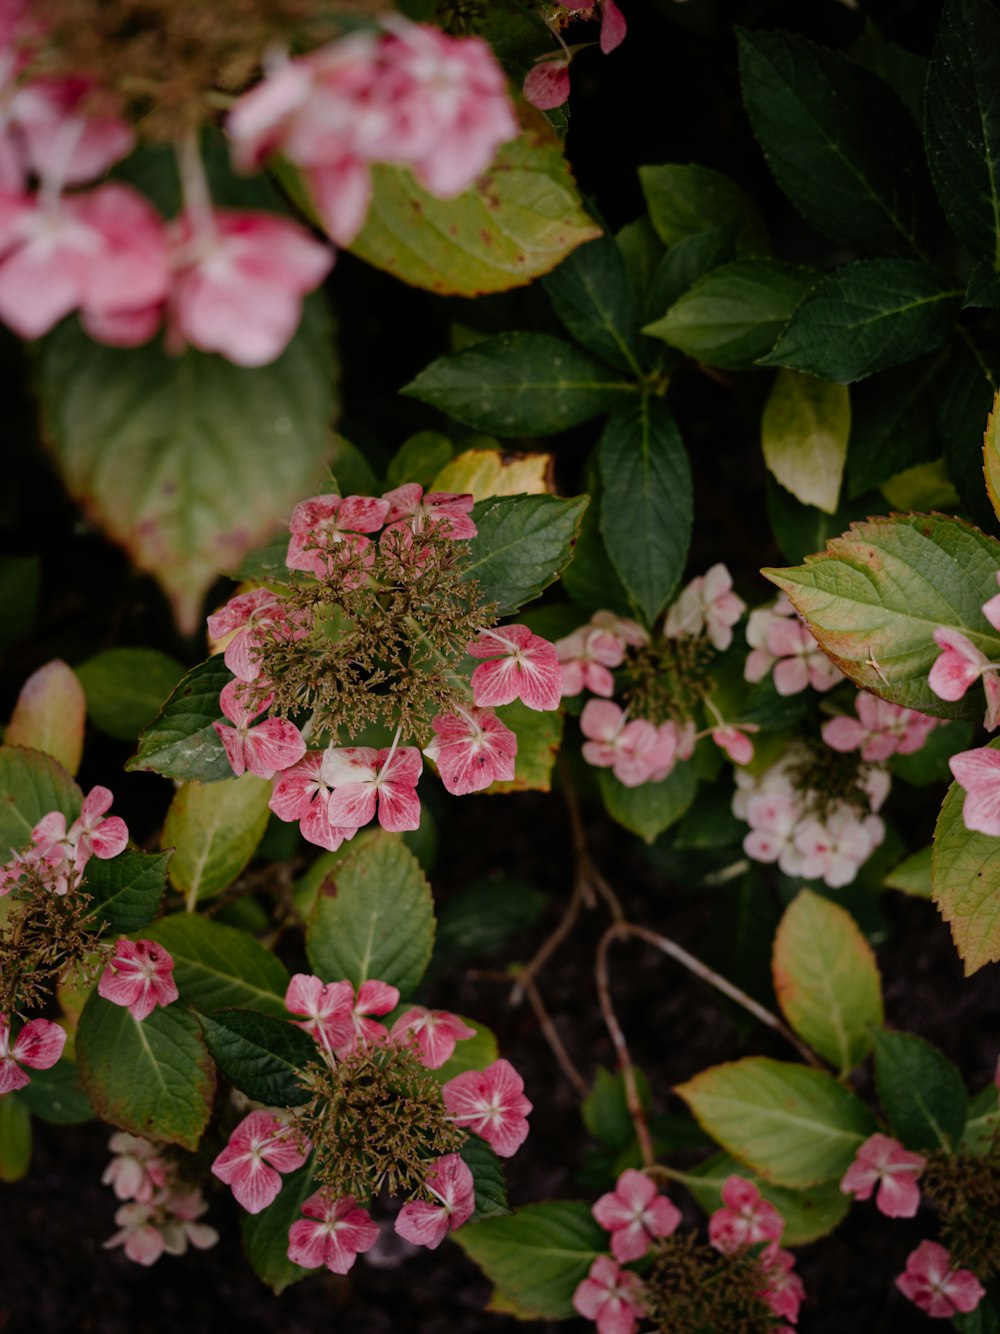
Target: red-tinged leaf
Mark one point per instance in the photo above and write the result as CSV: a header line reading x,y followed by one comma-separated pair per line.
x,y
50,714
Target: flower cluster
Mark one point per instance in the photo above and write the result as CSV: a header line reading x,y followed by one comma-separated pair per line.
x,y
161,1212
57,856
781,645
547,85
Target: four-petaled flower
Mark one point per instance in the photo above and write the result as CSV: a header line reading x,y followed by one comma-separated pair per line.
x,y
930,1282
38,1045
472,748
337,1018
301,793
432,1032
634,750
881,729
410,508
611,1296
137,1171
978,771
261,1147
883,1162
262,748
333,1232
139,975
325,523
451,1183
745,1218
490,1103
365,780
707,606
634,1213
523,666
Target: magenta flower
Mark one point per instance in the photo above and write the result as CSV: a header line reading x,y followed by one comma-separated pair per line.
x,y
38,1046
301,793
261,1147
248,618
263,749
320,525
745,1218
930,1282
332,1233
978,771
137,1171
881,729
452,1185
959,664
634,750
523,666
365,780
785,1291
410,508
634,1213
472,749
490,1103
140,975
611,1296
883,1162
433,1033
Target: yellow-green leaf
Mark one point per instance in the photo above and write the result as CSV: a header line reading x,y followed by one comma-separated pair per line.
x,y
50,714
804,434
538,737
214,829
488,472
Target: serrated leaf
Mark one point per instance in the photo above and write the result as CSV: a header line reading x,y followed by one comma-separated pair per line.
x,y
181,742
49,715
518,221
539,735
488,1176
218,967
893,426
804,435
593,297
15,1139
792,1125
483,473
31,785
684,201
54,1095
523,545
153,1078
126,687
647,502
866,317
920,1090
265,1235
519,384
127,890
965,880
809,1214
379,923
214,830
826,979
261,1055
874,598
650,808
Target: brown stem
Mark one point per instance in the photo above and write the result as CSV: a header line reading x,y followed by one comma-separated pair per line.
x,y
632,1098
566,1065
526,975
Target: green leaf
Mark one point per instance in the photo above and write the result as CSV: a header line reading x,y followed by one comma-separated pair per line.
x,y
962,124
519,220
590,579
126,687
875,597
642,250
902,70
929,764
982,1121
592,295
808,1214
217,967
912,875
794,1126
181,742
866,317
261,1055
265,1235
488,1178
686,262
420,459
734,314
20,583
647,502
127,890
31,785
965,878
537,1256
605,1109
538,737
650,808
920,1090
50,714
991,455
804,434
523,545
893,426
189,461
54,1095
801,529
813,113
684,201
153,1078
379,923
826,979
519,384
15,1139
214,829
963,404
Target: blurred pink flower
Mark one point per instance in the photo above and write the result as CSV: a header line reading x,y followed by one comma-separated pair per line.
x,y
883,1162
427,1224
611,1296
745,1218
930,1282
635,1213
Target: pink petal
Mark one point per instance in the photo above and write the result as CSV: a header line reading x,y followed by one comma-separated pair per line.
x,y
613,27
273,745
39,1044
423,1224
547,85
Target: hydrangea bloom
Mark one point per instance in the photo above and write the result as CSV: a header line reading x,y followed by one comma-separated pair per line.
x,y
732,738
60,855
451,1183
930,1282
634,750
68,129
325,523
780,641
491,1103
883,1162
958,665
978,771
261,748
588,654
881,729
472,749
433,1033
635,1213
337,1017
611,1296
365,781
833,848
38,1046
785,1291
140,975
333,1233
547,84
521,665
707,606
411,509
248,618
745,1218
262,1146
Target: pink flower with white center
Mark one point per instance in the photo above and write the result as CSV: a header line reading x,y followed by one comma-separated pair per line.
x,y
325,523
90,835
490,1103
239,282
452,1185
49,856
632,750
328,1007
373,997
70,130
139,975
785,1291
832,849
138,1233
732,738
472,748
707,606
333,1233
38,1046
248,618
799,662
302,794
432,1033
410,508
883,1162
634,1213
978,771
880,729
773,818
60,855
611,1296
262,749
524,666
586,657
745,1218
137,1171
365,780
547,84
930,1282
261,1147
958,665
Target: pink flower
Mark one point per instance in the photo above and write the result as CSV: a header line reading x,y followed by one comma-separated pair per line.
x,y
978,771
745,1218
491,1103
586,657
524,666
91,835
137,1171
364,780
140,975
320,525
338,1019
732,738
166,1223
707,606
301,793
611,1296
472,749
632,750
785,1291
249,618
410,508
60,855
373,997
452,1184
38,1045
70,130
930,1282
958,665
433,1033
262,1146
881,729
883,1162
547,84
800,661
239,283
263,749
773,817
634,1213
332,1233
832,849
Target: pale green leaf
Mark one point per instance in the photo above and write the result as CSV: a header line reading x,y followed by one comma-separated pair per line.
x,y
214,829
686,200
804,434
31,785
218,967
126,688
50,714
965,879
809,1214
650,808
